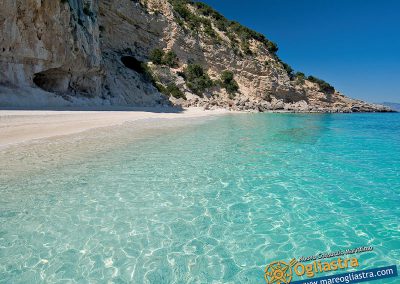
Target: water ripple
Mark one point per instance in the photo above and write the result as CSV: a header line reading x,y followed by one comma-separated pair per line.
x,y
209,203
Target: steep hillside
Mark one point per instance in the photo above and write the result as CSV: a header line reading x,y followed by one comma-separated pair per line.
x,y
147,53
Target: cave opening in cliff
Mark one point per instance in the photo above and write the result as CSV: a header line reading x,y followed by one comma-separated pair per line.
x,y
52,80
133,64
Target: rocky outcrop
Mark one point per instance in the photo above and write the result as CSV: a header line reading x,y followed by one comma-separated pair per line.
x,y
53,45
96,52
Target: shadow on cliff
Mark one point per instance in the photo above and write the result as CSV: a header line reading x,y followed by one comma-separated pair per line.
x,y
175,109
14,98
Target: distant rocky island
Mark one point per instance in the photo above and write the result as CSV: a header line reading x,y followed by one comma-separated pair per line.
x,y
393,106
149,53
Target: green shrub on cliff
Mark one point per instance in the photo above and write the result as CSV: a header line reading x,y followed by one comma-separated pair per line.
x,y
205,10
323,86
182,10
229,83
156,56
159,57
272,47
170,90
208,28
180,7
220,21
288,69
160,87
246,47
300,77
174,91
197,79
170,59
193,21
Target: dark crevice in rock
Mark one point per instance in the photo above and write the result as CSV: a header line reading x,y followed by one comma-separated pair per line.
x,y
52,80
132,63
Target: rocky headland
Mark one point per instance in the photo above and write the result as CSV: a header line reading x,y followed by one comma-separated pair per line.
x,y
149,53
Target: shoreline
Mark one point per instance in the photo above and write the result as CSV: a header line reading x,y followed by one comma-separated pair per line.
x,y
22,126
25,125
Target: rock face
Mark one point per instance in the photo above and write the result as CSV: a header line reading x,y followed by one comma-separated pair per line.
x,y
96,52
50,46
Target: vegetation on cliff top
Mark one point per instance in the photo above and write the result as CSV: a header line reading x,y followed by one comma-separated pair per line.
x,y
300,77
324,86
200,17
206,17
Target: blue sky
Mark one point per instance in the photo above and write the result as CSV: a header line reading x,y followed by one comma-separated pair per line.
x,y
352,44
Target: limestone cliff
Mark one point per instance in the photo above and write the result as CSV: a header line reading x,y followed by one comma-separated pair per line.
x,y
49,46
98,52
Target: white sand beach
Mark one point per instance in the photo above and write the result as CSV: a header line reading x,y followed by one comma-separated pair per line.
x,y
17,126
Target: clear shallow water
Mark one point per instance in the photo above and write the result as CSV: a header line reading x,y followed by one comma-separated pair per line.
x,y
209,203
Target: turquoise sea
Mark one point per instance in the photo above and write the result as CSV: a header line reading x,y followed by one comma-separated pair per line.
x,y
209,202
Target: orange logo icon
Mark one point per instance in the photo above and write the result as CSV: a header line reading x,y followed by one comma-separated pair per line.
x,y
279,272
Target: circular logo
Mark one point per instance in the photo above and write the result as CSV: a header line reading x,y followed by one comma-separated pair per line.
x,y
278,272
